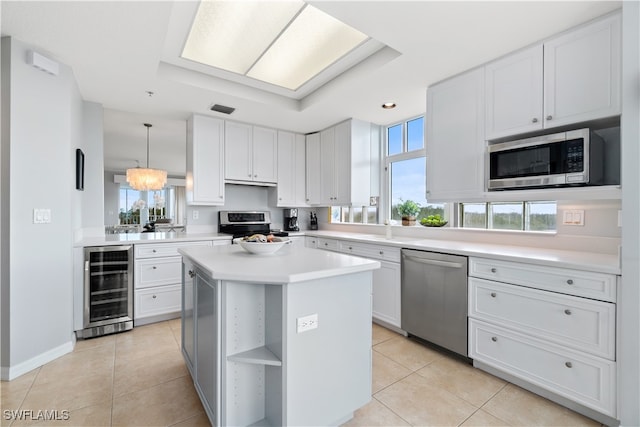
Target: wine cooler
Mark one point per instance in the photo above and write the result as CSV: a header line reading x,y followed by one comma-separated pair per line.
x,y
108,290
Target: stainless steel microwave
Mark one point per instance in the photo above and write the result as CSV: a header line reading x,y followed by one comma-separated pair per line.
x,y
561,159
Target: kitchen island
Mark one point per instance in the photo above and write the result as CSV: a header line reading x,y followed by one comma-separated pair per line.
x,y
281,339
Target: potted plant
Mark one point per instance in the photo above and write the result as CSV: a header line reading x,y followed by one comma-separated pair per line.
x,y
408,211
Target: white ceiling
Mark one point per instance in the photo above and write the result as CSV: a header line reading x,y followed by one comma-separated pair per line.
x,y
120,50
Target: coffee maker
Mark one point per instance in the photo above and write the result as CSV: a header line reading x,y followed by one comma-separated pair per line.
x,y
291,220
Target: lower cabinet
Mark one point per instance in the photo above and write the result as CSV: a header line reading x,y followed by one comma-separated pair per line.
x,y
386,280
542,325
157,280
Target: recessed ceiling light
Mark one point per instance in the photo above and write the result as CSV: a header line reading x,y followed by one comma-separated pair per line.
x,y
285,43
389,105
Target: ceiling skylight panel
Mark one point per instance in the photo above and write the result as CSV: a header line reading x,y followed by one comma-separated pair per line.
x,y
311,43
232,35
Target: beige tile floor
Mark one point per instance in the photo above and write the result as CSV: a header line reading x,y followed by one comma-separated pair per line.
x,y
138,378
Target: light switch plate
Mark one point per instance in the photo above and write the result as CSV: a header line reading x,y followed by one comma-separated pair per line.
x,y
573,217
42,216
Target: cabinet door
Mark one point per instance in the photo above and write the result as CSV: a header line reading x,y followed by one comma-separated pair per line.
x,y
582,73
386,293
188,320
313,173
455,138
207,348
205,161
513,88
327,163
237,143
286,168
300,171
342,163
264,155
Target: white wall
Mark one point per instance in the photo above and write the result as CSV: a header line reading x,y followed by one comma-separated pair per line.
x,y
42,125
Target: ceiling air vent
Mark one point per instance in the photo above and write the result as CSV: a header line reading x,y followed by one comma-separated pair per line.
x,y
222,109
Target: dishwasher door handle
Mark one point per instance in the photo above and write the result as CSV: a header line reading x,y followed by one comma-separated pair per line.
x,y
436,262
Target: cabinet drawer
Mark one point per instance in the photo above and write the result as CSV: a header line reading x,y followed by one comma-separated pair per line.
x,y
587,284
311,242
158,271
579,323
153,250
155,301
384,253
587,380
329,244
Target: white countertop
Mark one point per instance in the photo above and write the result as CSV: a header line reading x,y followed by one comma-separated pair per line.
x,y
288,265
587,261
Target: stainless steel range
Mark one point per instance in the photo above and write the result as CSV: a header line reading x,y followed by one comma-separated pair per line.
x,y
245,223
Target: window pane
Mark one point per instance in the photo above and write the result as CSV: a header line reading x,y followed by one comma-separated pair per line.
x,y
415,134
344,214
372,214
335,213
541,216
407,183
474,215
394,140
506,216
357,215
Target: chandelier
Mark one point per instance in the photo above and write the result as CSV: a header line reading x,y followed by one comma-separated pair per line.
x,y
146,179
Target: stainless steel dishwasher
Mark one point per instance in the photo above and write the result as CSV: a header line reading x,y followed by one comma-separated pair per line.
x,y
434,298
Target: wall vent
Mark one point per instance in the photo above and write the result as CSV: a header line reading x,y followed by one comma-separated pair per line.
x,y
222,109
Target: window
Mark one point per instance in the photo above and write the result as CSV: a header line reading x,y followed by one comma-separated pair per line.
x,y
355,214
526,216
405,165
160,203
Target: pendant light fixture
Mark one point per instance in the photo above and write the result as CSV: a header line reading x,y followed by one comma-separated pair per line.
x,y
146,179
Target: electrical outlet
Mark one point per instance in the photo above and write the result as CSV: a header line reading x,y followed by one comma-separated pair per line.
x,y
42,216
307,323
573,217
196,214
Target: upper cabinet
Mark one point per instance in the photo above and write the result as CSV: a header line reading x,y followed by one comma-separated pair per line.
x,y
455,138
582,73
571,78
513,87
291,191
205,161
251,154
339,164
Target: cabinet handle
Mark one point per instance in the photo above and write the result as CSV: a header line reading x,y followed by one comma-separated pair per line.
x,y
381,253
220,197
255,176
567,312
154,297
493,270
549,117
350,248
493,294
154,267
494,339
568,364
534,120
570,282
153,250
192,274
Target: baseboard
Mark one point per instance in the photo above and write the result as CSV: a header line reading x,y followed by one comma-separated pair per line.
x,y
8,373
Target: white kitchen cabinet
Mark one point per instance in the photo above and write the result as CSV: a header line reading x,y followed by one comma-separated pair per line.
x,y
310,242
345,165
571,78
313,172
291,189
205,161
513,87
188,325
157,280
250,153
455,142
549,327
